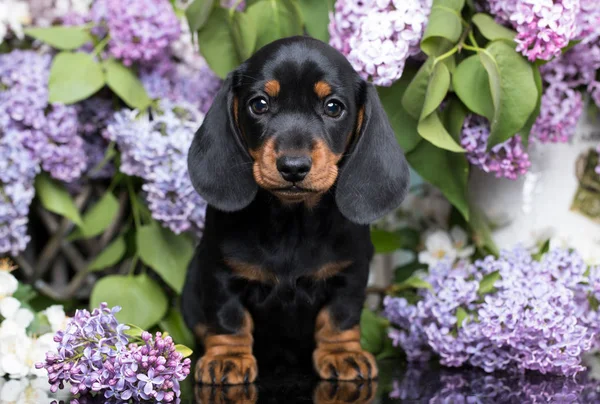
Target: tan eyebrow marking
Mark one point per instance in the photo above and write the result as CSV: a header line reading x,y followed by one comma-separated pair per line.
x,y
322,89
272,88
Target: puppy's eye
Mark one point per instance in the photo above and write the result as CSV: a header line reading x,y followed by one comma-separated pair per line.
x,y
259,105
333,108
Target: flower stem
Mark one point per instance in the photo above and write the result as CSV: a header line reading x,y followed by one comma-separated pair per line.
x,y
445,55
134,205
134,262
101,45
472,39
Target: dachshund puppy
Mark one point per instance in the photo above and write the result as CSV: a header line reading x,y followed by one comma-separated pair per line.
x,y
295,158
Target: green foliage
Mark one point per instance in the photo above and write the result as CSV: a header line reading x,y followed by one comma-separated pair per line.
x,y
124,82
63,38
404,272
492,30
110,255
385,241
486,285
197,13
98,217
315,14
482,233
471,84
413,282
444,27
183,350
461,315
55,198
275,19
513,89
173,324
141,298
74,77
218,46
372,331
444,169
165,252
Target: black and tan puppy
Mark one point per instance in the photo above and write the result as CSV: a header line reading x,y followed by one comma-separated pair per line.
x,y
295,158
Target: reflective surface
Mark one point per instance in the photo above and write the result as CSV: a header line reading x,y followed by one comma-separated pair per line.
x,y
402,383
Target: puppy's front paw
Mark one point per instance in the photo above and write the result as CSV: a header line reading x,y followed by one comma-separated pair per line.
x,y
226,369
334,392
344,365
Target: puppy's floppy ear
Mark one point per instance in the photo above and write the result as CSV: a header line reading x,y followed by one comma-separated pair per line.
x,y
374,178
219,165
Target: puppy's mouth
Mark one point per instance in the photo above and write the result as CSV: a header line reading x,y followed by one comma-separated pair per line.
x,y
293,190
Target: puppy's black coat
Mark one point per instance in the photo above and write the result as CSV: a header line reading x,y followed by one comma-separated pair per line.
x,y
295,158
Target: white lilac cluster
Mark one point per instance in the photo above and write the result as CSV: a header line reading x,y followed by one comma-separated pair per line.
x,y
19,351
14,14
377,36
154,146
538,315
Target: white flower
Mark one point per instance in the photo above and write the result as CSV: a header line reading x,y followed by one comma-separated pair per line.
x,y
37,353
8,283
10,308
25,391
439,245
14,348
56,317
13,15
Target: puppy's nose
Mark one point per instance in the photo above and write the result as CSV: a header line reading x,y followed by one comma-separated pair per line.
x,y
294,168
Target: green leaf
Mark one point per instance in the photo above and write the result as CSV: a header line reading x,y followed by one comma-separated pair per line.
x,y
491,29
275,19
64,38
414,282
437,88
372,331
141,299
111,255
545,247
184,350
404,125
218,45
470,82
432,129
197,13
453,118
315,15
124,82
134,331
404,272
55,198
74,77
385,241
513,89
482,234
486,285
443,28
244,31
594,304
98,217
414,96
446,170
165,252
173,324
24,293
409,238
461,315
525,131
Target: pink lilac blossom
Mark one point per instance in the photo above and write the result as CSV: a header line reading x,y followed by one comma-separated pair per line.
x,y
537,317
377,36
154,147
94,354
140,31
507,160
560,111
49,131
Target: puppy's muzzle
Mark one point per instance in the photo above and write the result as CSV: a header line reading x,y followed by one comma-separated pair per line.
x,y
294,168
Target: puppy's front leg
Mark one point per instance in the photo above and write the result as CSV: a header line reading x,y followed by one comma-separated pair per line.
x,y
338,355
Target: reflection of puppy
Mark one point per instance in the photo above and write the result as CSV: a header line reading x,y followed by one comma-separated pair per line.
x,y
295,158
325,392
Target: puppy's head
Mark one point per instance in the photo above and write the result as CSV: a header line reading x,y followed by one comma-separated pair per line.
x,y
296,120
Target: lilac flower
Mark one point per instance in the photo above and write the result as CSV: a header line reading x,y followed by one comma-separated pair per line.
x,y
538,317
95,355
508,159
17,173
377,36
140,31
559,114
49,131
154,147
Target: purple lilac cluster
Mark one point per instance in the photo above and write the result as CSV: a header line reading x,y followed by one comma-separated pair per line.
x,y
377,36
49,131
140,31
508,159
94,354
543,27
154,147
17,173
538,316
425,384
560,111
